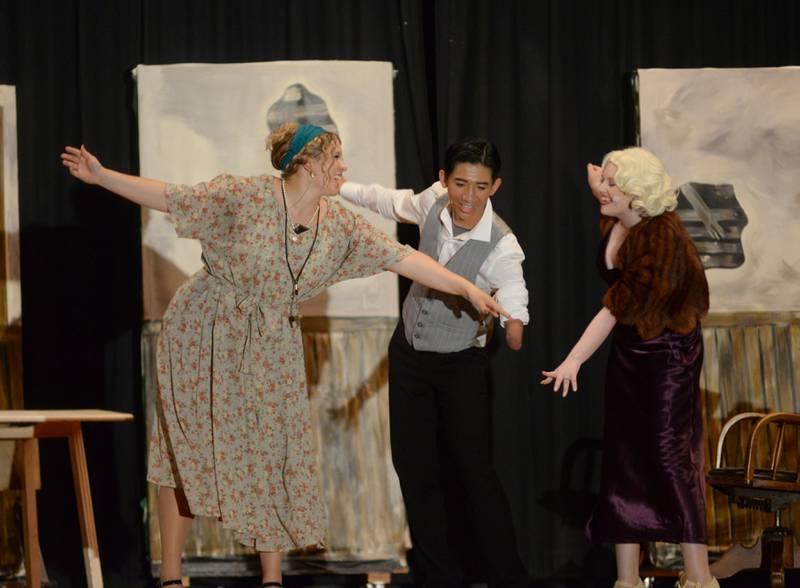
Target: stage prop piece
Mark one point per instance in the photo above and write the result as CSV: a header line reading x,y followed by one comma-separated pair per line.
x,y
770,485
196,121
28,426
730,139
10,334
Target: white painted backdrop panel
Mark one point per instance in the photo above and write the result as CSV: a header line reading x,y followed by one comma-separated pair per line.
x,y
739,127
198,120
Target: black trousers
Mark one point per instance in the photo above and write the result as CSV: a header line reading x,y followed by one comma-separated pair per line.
x,y
439,405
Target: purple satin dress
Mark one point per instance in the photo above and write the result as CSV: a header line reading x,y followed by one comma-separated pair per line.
x,y
653,476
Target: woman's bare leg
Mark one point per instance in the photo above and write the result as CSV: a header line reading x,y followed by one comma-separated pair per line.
x,y
175,522
695,562
271,566
627,555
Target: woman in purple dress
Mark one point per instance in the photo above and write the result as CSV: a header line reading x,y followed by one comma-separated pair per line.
x,y
652,486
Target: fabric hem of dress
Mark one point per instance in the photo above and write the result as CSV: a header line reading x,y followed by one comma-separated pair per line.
x,y
277,545
249,540
171,484
262,547
648,539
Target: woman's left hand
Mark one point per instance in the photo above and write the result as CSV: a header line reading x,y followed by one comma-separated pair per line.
x,y
566,374
484,302
594,177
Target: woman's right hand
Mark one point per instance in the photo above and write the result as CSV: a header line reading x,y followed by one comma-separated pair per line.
x,y
566,374
82,164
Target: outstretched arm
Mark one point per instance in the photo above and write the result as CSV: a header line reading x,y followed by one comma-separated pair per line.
x,y
592,338
398,205
421,268
86,167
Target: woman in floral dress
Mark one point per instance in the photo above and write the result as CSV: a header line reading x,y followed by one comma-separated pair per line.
x,y
233,433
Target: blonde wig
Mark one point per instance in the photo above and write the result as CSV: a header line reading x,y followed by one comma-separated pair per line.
x,y
641,175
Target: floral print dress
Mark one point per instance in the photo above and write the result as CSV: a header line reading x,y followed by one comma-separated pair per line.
x,y
233,422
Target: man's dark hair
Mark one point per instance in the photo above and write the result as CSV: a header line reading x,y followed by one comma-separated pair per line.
x,y
472,150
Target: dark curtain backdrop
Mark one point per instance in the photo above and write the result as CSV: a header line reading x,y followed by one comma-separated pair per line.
x,y
543,79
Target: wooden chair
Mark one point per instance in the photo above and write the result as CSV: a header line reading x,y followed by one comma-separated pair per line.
x,y
769,486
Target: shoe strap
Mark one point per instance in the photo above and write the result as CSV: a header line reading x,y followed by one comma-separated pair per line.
x,y
163,583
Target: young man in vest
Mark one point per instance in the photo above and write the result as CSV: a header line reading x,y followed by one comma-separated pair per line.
x,y
438,366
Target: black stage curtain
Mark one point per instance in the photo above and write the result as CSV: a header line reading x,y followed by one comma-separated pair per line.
x,y
543,79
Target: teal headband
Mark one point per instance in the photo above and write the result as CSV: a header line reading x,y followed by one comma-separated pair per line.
x,y
302,136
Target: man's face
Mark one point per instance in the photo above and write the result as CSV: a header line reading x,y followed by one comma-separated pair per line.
x,y
469,186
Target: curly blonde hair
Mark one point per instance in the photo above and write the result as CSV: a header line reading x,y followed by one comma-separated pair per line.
x,y
279,142
641,175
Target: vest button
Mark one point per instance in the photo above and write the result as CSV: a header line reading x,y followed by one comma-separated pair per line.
x,y
425,312
416,336
420,324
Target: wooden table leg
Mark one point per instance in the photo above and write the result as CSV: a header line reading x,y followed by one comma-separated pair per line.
x,y
30,527
80,474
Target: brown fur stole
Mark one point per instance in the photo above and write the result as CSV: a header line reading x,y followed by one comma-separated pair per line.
x,y
662,284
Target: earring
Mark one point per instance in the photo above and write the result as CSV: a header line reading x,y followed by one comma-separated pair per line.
x,y
312,175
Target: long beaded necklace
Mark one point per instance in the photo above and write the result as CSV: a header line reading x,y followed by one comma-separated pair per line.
x,y
294,318
299,228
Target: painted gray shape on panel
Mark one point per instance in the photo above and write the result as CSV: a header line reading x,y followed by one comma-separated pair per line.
x,y
298,104
714,220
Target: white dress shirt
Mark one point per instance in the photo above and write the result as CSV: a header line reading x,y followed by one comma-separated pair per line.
x,y
500,273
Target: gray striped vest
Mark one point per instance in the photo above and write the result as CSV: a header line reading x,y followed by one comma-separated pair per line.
x,y
434,320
